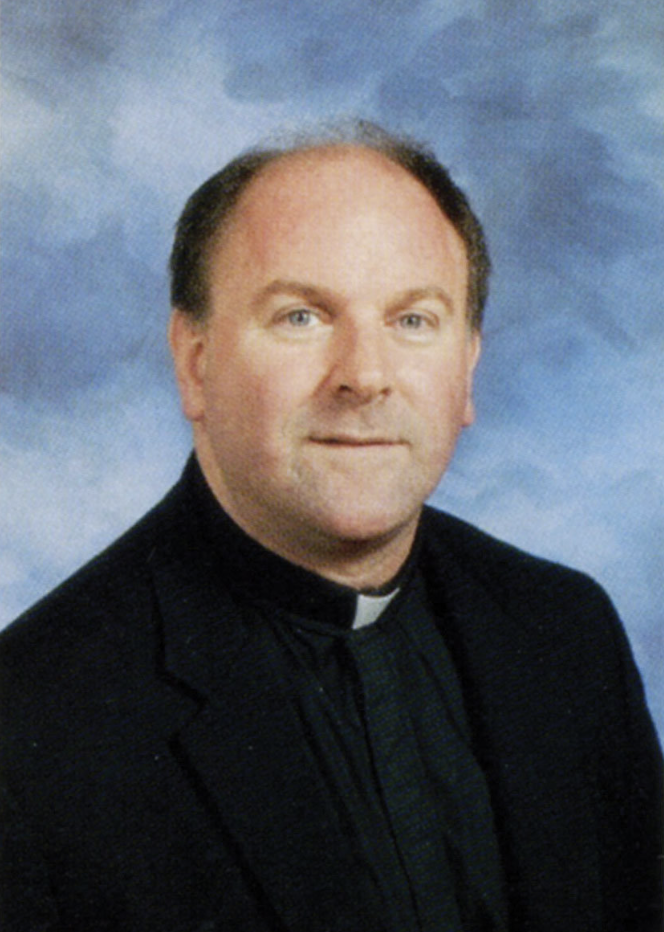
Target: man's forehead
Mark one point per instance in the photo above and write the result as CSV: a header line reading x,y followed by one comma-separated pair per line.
x,y
339,217
304,171
329,180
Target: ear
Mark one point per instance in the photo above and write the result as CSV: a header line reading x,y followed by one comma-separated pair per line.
x,y
188,341
473,349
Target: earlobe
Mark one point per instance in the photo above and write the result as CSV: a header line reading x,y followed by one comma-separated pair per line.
x,y
188,344
469,411
474,349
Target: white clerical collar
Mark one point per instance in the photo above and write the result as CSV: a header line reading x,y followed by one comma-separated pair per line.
x,y
370,607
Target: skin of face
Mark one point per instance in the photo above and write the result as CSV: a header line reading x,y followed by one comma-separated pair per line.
x,y
330,380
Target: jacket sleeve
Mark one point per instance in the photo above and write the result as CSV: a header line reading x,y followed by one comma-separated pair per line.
x,y
26,903
632,797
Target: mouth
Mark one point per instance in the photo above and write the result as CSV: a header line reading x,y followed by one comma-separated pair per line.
x,y
347,440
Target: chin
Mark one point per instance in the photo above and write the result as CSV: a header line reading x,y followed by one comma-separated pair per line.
x,y
359,525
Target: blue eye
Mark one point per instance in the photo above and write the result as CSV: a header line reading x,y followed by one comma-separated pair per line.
x,y
412,321
300,317
416,325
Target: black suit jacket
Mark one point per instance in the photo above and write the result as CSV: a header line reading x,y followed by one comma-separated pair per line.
x,y
155,777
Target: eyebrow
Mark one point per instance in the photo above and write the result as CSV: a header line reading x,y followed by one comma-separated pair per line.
x,y
412,295
317,295
300,289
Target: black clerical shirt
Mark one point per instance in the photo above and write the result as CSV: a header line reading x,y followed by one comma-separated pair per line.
x,y
383,719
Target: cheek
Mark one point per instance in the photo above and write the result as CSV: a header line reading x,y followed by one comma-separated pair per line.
x,y
440,388
442,405
251,403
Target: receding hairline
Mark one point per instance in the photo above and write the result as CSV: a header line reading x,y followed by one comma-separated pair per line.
x,y
209,213
333,151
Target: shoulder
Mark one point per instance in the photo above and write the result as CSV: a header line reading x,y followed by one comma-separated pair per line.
x,y
508,573
553,627
542,608
88,618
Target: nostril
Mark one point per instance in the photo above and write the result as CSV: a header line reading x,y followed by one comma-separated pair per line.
x,y
362,393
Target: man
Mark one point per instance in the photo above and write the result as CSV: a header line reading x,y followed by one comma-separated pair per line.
x,y
291,697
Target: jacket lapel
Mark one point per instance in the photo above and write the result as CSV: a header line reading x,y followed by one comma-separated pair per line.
x,y
529,744
246,746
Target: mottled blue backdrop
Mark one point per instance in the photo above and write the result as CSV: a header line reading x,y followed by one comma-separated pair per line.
x,y
549,112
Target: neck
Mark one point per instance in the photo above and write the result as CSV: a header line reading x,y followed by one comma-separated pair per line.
x,y
363,564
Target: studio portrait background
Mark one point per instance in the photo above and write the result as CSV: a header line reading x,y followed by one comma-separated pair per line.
x,y
550,113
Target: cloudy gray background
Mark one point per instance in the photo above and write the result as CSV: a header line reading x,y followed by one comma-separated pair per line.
x,y
549,112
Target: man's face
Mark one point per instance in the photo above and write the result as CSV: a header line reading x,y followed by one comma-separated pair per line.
x,y
329,384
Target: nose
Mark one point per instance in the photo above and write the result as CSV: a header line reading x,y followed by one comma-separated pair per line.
x,y
362,367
